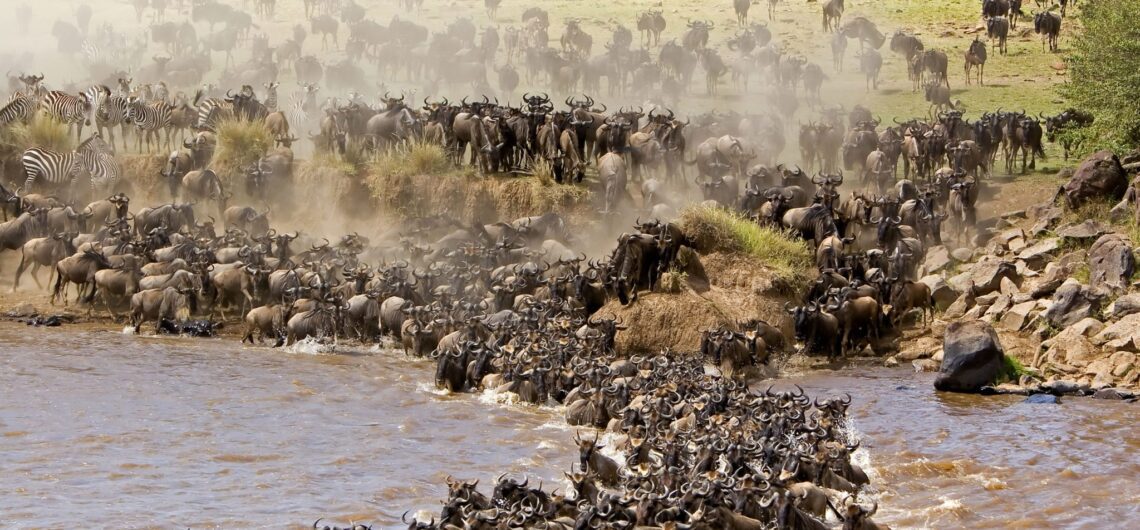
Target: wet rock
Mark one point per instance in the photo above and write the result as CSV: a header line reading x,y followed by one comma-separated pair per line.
x,y
890,362
1114,394
962,255
972,357
1100,176
1039,254
1125,305
937,258
1071,303
940,291
1043,399
1111,263
1017,316
925,365
1086,229
1065,388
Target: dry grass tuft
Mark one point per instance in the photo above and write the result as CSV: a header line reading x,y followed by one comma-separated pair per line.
x,y
240,143
42,132
719,230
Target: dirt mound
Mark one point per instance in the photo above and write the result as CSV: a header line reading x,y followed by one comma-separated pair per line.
x,y
741,289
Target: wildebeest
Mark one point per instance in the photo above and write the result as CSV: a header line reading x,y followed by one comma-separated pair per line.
x,y
936,62
1048,25
976,57
1056,126
158,304
832,13
870,62
998,28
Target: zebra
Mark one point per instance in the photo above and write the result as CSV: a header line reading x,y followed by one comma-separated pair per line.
x,y
303,102
21,108
75,111
150,119
271,96
92,159
114,113
161,93
211,111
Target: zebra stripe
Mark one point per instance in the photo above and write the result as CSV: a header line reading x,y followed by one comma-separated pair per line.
x,y
149,119
213,110
114,113
19,109
67,108
271,97
54,169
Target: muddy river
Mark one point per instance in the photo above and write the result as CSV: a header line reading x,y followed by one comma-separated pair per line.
x,y
102,429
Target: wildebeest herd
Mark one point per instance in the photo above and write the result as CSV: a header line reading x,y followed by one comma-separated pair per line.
x,y
513,305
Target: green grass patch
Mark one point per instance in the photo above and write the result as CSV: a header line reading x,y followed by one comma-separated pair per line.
x,y
720,230
1013,370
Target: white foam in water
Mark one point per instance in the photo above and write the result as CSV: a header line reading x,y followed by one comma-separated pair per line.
x,y
128,330
430,388
310,346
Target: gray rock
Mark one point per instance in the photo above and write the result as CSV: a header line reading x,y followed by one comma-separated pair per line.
x,y
1125,305
1006,236
1127,327
1071,303
1016,214
1039,254
1045,219
958,308
1043,399
1098,176
937,258
1111,263
1017,316
962,255
1008,287
940,291
987,275
1086,229
1016,245
972,357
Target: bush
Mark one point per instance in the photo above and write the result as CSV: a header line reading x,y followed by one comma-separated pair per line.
x,y
417,158
240,144
42,132
1102,73
720,230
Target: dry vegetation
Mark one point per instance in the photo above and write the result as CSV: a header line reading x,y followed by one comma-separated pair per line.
x,y
786,255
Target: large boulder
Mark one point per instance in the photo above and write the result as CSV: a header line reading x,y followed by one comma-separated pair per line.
x,y
1111,263
937,258
1071,303
972,357
1099,176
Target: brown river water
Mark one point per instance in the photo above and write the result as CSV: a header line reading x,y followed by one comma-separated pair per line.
x,y
102,429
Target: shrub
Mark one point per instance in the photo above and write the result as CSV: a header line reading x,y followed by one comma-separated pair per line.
x,y
1102,73
41,132
240,144
720,230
